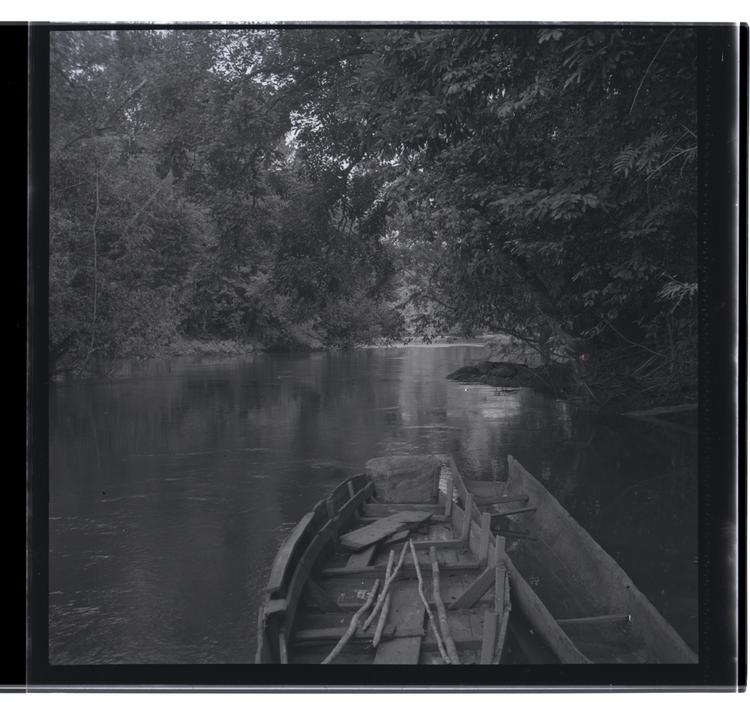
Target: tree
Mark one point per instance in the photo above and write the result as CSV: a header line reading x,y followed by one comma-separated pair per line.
x,y
549,173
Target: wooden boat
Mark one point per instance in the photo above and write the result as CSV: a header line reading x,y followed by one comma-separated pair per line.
x,y
598,607
402,565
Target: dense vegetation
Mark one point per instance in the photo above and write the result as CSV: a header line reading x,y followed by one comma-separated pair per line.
x,y
302,186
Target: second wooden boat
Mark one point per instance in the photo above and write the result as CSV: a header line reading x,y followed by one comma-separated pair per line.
x,y
581,587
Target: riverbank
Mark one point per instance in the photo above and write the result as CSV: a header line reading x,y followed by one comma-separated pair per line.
x,y
585,380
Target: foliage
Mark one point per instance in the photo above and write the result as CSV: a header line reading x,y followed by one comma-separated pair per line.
x,y
179,209
546,184
294,186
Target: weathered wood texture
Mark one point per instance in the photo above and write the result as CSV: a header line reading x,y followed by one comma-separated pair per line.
x,y
352,626
381,510
489,633
361,558
470,596
380,529
400,651
406,611
539,617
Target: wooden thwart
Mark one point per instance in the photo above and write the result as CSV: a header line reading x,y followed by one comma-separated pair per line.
x,y
470,596
320,597
385,510
513,534
374,532
499,499
439,543
508,512
352,626
335,633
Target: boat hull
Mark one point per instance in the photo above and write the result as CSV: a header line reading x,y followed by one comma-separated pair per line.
x,y
595,585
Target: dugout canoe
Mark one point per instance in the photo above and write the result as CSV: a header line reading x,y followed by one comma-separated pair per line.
x,y
517,579
567,573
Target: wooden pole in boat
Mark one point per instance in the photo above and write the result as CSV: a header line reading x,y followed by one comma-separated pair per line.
x,y
420,585
386,586
352,626
383,593
450,645
386,605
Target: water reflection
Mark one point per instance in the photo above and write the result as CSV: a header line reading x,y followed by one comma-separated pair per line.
x,y
172,487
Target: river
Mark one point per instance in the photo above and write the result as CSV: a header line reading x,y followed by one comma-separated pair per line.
x,y
172,485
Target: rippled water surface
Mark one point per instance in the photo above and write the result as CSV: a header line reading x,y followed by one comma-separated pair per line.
x,y
172,487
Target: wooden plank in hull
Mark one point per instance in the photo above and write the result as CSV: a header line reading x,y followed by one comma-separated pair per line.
x,y
396,538
452,545
466,631
361,558
372,509
313,655
401,651
489,634
374,532
507,512
407,614
350,592
316,596
470,596
500,500
333,634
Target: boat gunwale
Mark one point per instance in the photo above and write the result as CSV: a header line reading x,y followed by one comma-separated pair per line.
x,y
646,621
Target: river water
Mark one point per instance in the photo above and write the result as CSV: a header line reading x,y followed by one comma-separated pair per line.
x,y
172,486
